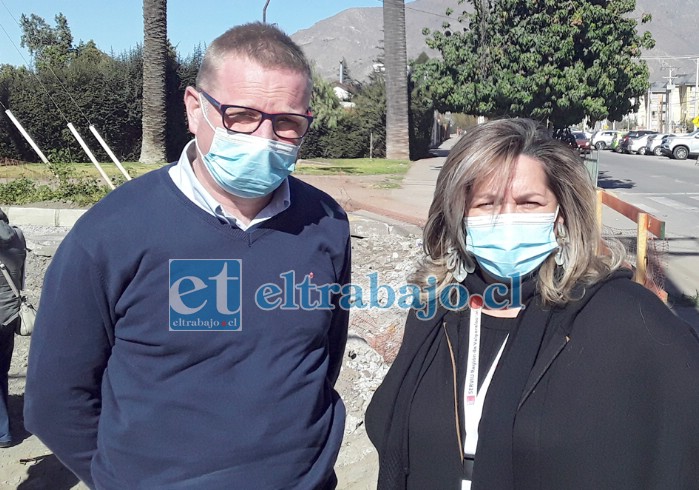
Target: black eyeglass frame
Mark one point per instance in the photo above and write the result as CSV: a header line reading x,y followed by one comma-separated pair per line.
x,y
222,108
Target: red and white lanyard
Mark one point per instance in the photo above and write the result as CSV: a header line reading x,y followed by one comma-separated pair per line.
x,y
473,397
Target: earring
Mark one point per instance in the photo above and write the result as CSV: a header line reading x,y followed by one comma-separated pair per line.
x,y
458,267
561,257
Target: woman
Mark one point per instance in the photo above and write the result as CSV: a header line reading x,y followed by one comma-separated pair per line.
x,y
559,372
13,253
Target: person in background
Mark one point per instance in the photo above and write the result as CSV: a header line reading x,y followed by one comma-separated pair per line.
x,y
13,254
545,366
171,349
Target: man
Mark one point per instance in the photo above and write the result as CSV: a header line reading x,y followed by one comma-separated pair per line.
x,y
172,349
13,253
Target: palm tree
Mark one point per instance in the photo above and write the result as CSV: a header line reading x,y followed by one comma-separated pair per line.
x,y
396,63
154,62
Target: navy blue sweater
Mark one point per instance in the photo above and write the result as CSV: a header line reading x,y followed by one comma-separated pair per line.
x,y
125,401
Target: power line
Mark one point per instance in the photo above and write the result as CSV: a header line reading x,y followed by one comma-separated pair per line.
x,y
47,66
32,72
425,12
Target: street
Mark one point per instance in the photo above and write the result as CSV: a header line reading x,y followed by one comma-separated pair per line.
x,y
669,190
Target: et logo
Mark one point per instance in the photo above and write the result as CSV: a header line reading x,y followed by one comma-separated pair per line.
x,y
205,295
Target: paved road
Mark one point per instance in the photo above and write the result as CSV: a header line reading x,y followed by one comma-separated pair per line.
x,y
668,189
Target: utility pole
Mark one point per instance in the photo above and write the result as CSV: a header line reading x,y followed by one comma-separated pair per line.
x,y
696,92
668,91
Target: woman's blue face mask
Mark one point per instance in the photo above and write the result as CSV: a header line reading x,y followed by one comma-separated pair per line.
x,y
510,245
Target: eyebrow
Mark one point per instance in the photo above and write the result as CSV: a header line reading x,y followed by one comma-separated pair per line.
x,y
491,196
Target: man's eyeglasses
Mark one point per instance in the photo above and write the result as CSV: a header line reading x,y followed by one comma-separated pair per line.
x,y
246,120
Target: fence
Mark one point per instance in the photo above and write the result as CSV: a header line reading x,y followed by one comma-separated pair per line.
x,y
645,224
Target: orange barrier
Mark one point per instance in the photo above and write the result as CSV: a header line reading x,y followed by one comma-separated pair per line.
x,y
646,223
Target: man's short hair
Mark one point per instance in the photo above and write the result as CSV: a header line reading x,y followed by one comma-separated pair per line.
x,y
262,43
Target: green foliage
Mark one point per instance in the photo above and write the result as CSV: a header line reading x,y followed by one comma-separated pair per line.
x,y
17,191
67,185
364,126
326,106
49,45
83,85
86,86
547,59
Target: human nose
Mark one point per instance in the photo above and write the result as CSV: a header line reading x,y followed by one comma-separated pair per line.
x,y
507,208
266,130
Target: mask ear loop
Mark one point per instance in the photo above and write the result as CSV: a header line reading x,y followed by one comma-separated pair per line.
x,y
203,111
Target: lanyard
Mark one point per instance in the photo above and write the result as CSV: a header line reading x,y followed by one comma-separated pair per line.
x,y
473,397
474,342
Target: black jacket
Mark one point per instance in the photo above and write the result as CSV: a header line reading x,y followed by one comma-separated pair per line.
x,y
611,402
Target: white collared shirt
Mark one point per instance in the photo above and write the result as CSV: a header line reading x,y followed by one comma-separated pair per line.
x,y
186,181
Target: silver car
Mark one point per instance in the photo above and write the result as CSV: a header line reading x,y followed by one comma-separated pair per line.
x,y
654,142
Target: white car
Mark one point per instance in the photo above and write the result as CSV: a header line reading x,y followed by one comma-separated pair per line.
x,y
681,146
638,144
654,142
602,139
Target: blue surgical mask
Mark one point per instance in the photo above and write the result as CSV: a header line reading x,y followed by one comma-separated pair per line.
x,y
510,245
248,166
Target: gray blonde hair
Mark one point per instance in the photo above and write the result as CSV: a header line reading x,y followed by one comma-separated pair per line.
x,y
262,43
490,151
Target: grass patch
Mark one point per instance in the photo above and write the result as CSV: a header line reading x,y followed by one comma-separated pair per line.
x,y
41,171
353,166
78,183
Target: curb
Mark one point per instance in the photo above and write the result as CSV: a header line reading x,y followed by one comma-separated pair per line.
x,y
43,216
362,222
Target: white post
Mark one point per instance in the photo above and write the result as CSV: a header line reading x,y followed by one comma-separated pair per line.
x,y
26,136
371,145
696,90
90,155
109,152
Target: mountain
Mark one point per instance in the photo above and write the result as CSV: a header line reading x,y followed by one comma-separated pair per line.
x,y
356,35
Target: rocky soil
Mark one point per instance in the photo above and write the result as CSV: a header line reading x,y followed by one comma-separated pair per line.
x,y
374,337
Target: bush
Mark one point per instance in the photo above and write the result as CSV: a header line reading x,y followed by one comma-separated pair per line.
x,y
67,185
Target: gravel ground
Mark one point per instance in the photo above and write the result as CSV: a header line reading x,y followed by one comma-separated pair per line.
x,y
374,338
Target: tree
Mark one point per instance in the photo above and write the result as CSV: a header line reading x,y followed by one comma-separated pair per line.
x,y
396,63
155,51
552,60
50,46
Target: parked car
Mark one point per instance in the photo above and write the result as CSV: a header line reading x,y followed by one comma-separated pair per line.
x,y
637,144
681,146
623,145
603,139
582,141
654,142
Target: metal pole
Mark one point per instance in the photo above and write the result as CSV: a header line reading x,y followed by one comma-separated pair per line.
x,y
696,90
26,136
641,248
264,12
90,155
109,152
371,145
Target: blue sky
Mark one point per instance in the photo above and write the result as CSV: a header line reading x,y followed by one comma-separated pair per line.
x,y
117,25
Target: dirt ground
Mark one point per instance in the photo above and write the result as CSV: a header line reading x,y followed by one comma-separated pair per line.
x,y
374,338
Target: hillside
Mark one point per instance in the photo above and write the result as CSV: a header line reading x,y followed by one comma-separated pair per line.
x,y
357,36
